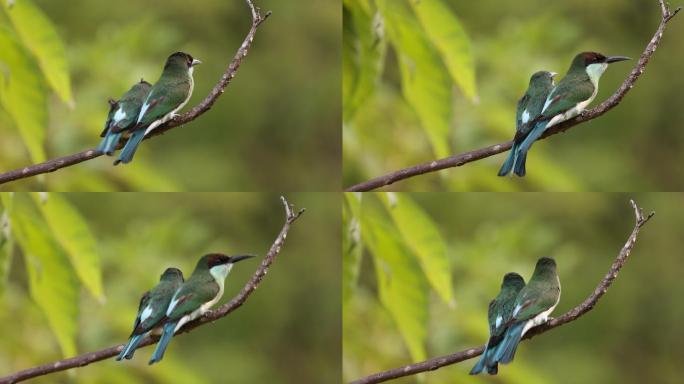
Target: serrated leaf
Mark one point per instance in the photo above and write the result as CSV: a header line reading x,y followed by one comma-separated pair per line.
x,y
351,244
41,37
23,95
420,233
364,53
425,82
401,285
52,282
447,34
73,233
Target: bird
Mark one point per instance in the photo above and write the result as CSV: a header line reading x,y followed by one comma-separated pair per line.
x,y
499,314
200,292
123,115
168,95
529,106
568,99
152,309
535,302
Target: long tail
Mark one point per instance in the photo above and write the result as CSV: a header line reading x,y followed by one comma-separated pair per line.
x,y
510,161
535,133
480,365
158,354
128,151
129,349
109,143
505,352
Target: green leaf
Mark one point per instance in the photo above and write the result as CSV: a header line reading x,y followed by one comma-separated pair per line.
x,y
451,40
425,82
6,247
40,36
420,233
351,244
73,233
401,285
23,95
52,282
364,54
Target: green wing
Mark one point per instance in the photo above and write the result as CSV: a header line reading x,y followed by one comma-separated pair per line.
x,y
192,296
568,94
164,98
535,302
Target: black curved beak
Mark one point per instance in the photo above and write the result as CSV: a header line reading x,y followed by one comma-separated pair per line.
x,y
235,259
613,59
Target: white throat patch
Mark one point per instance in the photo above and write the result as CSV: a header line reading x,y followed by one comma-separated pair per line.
x,y
595,71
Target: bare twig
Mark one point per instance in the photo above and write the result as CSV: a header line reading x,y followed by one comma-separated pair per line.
x,y
478,154
235,303
573,314
204,106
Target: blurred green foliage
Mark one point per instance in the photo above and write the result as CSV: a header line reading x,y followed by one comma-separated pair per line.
x,y
409,257
288,331
631,336
636,146
276,127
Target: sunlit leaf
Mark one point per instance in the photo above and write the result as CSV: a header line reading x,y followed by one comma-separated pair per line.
x,y
40,36
364,54
23,95
351,244
401,285
74,235
420,233
425,82
447,34
52,282
5,248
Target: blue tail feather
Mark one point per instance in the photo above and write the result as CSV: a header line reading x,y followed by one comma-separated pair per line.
x,y
128,151
109,143
510,161
158,354
480,365
129,349
505,352
525,145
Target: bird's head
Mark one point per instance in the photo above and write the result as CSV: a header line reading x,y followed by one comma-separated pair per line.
x,y
171,274
545,264
216,259
513,279
182,60
542,78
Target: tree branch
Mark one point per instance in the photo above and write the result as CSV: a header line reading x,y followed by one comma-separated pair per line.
x,y
479,154
573,314
204,106
235,303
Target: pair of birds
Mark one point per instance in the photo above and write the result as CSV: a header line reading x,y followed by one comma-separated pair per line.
x,y
545,105
174,302
515,310
145,107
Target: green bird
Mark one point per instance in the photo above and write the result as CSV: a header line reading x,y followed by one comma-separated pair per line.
x,y
200,292
123,115
568,99
152,309
529,106
499,315
168,95
533,306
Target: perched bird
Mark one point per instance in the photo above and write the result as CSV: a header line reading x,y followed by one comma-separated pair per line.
x,y
200,292
529,106
168,95
499,315
152,309
568,99
123,115
534,304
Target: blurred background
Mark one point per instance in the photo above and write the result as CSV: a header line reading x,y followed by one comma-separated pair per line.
x,y
423,80
288,331
280,114
631,336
